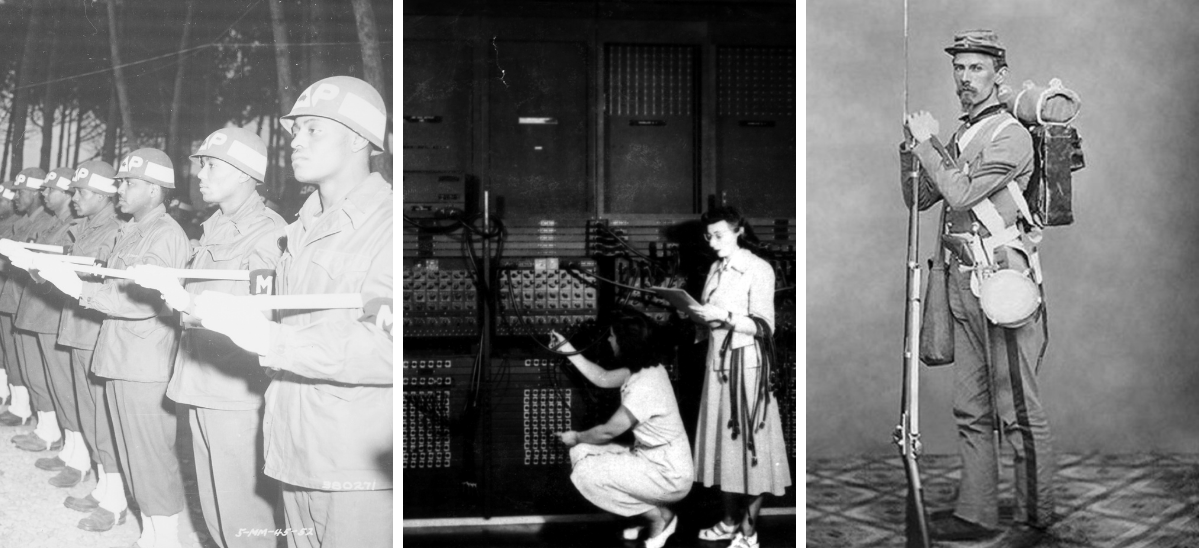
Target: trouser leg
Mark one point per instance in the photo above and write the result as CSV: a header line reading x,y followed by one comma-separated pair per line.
x,y
978,490
235,495
1026,426
93,411
337,519
9,343
59,381
33,368
143,422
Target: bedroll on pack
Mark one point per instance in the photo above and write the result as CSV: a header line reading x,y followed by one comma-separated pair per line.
x,y
1057,149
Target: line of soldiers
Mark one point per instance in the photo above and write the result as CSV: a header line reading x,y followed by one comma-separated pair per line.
x,y
287,407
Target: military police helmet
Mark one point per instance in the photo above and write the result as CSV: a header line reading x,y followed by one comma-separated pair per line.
x,y
97,176
241,148
30,178
348,100
150,165
60,178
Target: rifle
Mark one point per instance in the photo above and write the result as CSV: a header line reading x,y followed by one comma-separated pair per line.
x,y
907,434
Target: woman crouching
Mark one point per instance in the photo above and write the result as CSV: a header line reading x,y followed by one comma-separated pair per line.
x,y
657,471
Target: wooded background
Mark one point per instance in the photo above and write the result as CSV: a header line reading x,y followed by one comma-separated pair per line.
x,y
87,79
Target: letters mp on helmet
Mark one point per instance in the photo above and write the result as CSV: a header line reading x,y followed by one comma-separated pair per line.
x,y
150,165
97,176
348,100
30,178
60,178
242,149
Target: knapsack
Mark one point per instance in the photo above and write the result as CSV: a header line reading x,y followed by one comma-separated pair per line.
x,y
1057,149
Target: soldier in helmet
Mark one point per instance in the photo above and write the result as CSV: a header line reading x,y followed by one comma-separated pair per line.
x,y
981,178
329,406
216,383
8,358
137,341
93,234
36,322
31,391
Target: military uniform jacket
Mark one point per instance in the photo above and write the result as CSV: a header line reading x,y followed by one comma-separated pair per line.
x,y
986,150
210,370
138,336
41,304
38,221
89,237
7,226
329,409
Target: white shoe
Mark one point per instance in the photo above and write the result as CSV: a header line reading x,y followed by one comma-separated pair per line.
x,y
742,541
720,531
633,533
660,540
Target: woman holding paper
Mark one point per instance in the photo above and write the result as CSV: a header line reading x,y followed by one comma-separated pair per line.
x,y
739,443
657,471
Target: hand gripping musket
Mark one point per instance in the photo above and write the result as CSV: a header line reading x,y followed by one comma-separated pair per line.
x,y
907,434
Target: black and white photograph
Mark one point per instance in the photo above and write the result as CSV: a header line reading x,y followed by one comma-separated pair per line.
x,y
196,265
599,273
1000,249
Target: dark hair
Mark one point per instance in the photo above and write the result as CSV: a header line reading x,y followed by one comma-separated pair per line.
x,y
637,338
733,217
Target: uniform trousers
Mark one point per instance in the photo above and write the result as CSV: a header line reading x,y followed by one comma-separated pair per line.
x,y
94,422
337,519
9,344
235,495
33,371
143,429
57,360
994,368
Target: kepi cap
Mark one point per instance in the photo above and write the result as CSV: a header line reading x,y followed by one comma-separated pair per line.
x,y
978,41
97,176
242,149
150,165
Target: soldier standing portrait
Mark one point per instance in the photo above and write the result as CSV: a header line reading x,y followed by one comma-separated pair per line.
x,y
998,333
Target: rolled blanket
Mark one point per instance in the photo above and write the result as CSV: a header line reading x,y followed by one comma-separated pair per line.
x,y
1039,105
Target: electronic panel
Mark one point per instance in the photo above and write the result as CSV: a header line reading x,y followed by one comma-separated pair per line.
x,y
537,295
438,436
440,298
438,89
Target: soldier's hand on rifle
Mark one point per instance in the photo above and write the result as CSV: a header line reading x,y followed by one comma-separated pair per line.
x,y
922,125
156,277
243,324
55,272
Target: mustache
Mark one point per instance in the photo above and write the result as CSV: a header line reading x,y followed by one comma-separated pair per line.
x,y
966,89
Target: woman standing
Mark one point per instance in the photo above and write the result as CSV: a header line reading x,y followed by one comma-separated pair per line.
x,y
656,471
739,442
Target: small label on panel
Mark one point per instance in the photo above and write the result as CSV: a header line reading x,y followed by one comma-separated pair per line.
x,y
647,123
547,222
756,123
447,197
551,263
423,119
538,264
537,121
432,264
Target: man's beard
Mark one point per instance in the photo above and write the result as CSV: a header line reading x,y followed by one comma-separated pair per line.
x,y
967,98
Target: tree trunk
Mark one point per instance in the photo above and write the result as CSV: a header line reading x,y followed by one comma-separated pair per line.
x,y
109,152
20,100
4,157
118,74
287,91
49,102
78,136
368,39
318,62
174,146
62,135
